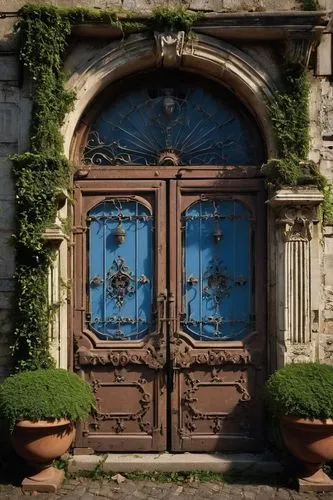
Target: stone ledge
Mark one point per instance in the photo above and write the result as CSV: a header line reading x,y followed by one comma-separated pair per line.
x,y
296,196
169,462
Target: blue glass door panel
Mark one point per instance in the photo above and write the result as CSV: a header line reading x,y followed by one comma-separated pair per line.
x,y
217,290
121,264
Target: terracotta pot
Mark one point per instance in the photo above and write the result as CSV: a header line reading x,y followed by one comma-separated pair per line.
x,y
39,443
311,441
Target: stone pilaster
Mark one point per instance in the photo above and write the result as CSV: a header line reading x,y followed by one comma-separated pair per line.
x,y
296,245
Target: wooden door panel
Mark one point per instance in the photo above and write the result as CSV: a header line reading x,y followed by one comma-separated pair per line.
x,y
120,338
217,411
217,344
130,416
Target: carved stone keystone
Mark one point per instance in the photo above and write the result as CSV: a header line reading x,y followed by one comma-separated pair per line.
x,y
169,48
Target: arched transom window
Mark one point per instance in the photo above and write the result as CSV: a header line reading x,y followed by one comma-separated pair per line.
x,y
173,121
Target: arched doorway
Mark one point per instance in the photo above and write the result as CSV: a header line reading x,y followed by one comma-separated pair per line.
x,y
170,267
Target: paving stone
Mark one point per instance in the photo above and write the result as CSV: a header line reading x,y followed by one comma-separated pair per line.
x,y
282,494
86,489
249,494
68,487
87,496
178,491
106,491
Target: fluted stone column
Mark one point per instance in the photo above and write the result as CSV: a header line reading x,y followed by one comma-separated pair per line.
x,y
295,267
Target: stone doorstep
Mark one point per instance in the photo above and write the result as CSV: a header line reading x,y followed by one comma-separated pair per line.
x,y
169,462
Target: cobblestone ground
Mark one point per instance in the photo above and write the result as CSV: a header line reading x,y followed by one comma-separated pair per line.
x,y
87,489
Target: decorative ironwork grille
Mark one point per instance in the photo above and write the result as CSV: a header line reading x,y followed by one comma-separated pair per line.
x,y
217,282
181,125
120,269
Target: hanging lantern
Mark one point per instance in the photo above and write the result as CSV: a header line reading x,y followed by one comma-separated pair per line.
x,y
119,234
217,234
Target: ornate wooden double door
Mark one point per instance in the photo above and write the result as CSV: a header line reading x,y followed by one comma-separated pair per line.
x,y
169,313
169,267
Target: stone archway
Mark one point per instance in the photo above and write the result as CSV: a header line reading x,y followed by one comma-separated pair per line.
x,y
93,69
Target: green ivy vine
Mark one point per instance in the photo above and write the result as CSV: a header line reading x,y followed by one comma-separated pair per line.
x,y
43,172
310,5
289,114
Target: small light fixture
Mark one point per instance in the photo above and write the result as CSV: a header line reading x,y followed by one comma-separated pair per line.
x,y
119,234
217,234
169,105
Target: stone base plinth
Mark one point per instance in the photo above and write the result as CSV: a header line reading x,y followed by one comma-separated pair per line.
x,y
319,481
46,481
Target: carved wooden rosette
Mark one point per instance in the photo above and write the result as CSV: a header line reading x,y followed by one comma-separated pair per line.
x,y
295,214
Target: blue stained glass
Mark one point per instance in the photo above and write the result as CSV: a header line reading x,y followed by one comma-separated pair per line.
x,y
217,289
182,125
120,269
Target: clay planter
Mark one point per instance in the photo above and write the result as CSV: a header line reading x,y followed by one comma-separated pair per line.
x,y
311,441
39,443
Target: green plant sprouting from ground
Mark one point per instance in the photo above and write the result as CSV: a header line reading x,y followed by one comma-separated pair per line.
x,y
251,473
289,114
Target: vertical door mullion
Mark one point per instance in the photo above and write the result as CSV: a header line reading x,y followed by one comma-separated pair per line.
x,y
175,284
161,285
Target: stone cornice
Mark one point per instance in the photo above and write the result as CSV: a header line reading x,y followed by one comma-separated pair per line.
x,y
296,196
236,26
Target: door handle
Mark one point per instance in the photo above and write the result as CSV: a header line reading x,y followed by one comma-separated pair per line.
x,y
165,309
161,311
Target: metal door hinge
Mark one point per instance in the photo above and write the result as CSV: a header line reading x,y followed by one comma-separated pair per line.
x,y
79,229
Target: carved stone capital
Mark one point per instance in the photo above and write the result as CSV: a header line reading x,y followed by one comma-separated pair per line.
x,y
295,222
295,212
298,50
54,234
169,47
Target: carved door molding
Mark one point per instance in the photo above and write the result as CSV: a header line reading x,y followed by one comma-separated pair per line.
x,y
188,372
217,378
119,339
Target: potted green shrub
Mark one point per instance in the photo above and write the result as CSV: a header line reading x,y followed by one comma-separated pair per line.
x,y
300,397
40,409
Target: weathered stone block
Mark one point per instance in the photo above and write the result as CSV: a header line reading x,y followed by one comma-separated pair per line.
x,y
7,191
9,122
7,255
5,326
9,68
7,215
324,55
326,348
326,112
260,5
207,5
6,301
